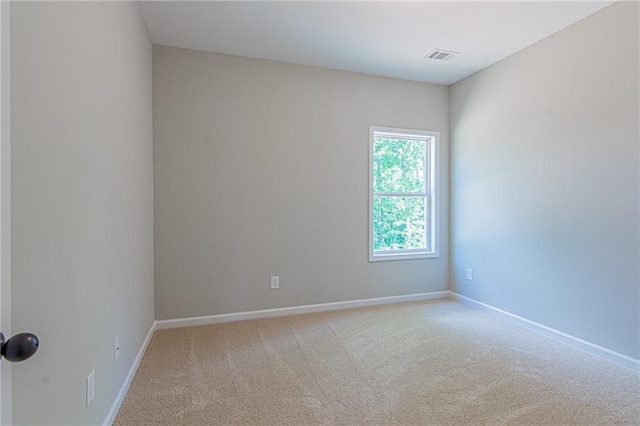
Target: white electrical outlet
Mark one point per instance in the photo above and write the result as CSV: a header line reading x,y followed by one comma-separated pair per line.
x,y
470,274
91,387
116,349
275,282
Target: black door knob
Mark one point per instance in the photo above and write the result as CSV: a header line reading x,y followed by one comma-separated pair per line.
x,y
20,347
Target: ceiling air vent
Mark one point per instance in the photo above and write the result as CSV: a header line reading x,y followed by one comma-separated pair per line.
x,y
441,55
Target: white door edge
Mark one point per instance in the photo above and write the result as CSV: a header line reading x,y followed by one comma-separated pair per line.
x,y
5,208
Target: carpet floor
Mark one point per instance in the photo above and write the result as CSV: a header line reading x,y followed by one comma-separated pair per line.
x,y
436,362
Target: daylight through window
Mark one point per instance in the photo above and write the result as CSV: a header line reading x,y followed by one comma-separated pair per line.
x,y
402,194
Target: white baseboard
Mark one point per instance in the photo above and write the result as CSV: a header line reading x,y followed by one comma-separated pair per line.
x,y
111,415
592,348
295,310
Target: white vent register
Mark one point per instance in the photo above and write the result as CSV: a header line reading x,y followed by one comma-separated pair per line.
x,y
441,55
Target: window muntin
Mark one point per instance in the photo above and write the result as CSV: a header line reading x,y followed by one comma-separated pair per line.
x,y
402,194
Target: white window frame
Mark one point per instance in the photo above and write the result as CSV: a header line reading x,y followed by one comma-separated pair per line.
x,y
432,138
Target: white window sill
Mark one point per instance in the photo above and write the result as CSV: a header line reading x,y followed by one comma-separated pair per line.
x,y
402,256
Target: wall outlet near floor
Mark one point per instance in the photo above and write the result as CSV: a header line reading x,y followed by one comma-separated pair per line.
x,y
275,282
470,274
91,387
116,349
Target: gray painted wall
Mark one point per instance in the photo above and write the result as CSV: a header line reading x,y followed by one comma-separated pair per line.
x,y
545,183
261,168
82,203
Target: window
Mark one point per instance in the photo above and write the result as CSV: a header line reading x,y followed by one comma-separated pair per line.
x,y
402,194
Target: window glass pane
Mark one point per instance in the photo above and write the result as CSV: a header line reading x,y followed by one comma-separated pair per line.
x,y
399,223
399,165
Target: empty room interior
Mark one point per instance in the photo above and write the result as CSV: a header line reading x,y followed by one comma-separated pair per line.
x,y
292,213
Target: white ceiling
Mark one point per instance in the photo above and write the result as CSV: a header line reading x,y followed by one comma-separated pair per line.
x,y
381,38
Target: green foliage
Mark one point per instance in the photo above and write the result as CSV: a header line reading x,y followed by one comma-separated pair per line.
x,y
399,221
398,165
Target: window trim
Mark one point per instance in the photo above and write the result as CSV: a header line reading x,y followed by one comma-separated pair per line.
x,y
432,193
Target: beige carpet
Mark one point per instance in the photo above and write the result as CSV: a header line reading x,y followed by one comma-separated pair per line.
x,y
438,362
